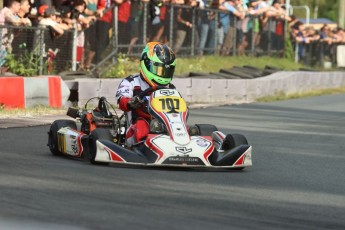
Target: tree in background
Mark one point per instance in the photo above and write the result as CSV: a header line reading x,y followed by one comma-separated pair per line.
x,y
318,8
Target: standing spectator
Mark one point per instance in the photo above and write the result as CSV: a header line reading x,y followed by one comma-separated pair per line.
x,y
123,15
24,11
23,37
205,20
48,20
90,32
184,24
229,36
242,28
134,23
157,27
215,28
77,15
102,27
8,16
165,20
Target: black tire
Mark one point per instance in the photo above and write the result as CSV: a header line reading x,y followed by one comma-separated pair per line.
x,y
234,140
97,134
202,130
52,134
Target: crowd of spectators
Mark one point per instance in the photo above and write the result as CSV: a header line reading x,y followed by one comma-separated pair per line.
x,y
90,17
322,41
219,26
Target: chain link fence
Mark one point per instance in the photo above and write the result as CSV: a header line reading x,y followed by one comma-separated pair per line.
x,y
212,32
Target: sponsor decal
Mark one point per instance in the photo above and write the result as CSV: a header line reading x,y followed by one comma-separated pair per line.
x,y
202,143
74,146
183,150
184,159
248,157
166,92
122,91
180,134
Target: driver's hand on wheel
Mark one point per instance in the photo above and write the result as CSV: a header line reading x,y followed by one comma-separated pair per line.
x,y
134,103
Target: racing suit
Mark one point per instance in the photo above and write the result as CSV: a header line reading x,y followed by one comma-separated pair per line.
x,y
138,119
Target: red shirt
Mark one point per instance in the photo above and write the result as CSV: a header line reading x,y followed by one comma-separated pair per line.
x,y
124,11
108,16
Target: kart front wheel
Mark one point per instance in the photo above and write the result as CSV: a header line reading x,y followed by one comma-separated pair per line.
x,y
234,140
202,130
53,134
97,134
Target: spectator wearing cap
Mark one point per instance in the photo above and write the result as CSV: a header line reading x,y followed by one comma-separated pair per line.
x,y
47,19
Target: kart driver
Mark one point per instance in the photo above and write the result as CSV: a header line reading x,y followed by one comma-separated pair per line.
x,y
157,65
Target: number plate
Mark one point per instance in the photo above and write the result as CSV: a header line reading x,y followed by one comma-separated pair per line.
x,y
169,104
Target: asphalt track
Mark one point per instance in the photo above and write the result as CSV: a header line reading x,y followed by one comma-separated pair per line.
x,y
296,182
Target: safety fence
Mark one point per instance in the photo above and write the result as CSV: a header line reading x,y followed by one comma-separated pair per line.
x,y
212,32
319,53
37,50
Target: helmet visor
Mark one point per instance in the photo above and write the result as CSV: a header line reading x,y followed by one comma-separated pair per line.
x,y
161,70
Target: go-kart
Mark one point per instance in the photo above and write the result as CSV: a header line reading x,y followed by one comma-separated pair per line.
x,y
101,137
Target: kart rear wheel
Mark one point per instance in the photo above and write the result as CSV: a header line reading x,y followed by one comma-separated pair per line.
x,y
53,134
97,134
202,130
234,140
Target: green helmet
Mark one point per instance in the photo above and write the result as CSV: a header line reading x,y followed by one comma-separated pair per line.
x,y
157,64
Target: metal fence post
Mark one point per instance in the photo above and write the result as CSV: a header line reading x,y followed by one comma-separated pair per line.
x,y
145,17
1,36
296,52
234,46
171,27
252,45
269,38
215,48
42,50
115,34
74,47
193,31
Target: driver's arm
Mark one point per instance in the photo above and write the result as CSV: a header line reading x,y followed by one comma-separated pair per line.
x,y
124,94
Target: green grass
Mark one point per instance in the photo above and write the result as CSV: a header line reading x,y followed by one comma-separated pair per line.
x,y
39,110
127,66
215,63
317,92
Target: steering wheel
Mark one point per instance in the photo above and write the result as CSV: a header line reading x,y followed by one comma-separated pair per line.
x,y
149,90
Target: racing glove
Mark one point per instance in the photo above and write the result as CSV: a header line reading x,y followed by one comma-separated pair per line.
x,y
134,103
